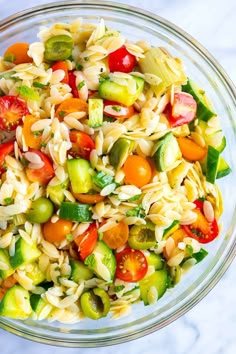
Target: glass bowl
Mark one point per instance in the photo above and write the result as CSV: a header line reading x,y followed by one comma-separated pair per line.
x,y
138,24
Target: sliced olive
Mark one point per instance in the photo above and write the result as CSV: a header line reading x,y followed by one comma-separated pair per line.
x,y
120,151
95,303
142,237
41,211
58,48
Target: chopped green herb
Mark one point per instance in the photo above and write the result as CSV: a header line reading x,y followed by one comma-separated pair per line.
x,y
43,144
39,85
24,162
62,114
189,249
78,66
135,198
52,135
116,108
29,93
69,237
118,288
8,200
37,132
138,212
9,58
81,84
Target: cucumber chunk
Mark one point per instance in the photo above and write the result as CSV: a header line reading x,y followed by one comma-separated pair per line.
x,y
223,168
95,112
37,303
79,271
142,237
75,212
24,253
36,274
56,193
209,139
102,261
213,156
16,303
5,259
158,281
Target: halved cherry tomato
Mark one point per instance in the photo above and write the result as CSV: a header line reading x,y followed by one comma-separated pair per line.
x,y
32,140
42,175
71,105
5,149
72,84
116,236
117,110
87,241
89,198
12,110
183,110
17,52
137,170
121,60
131,265
82,144
61,65
190,149
56,231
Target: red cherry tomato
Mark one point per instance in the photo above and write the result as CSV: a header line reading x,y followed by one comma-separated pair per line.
x,y
183,110
82,144
117,110
72,84
12,110
5,149
131,265
44,174
87,241
61,65
121,60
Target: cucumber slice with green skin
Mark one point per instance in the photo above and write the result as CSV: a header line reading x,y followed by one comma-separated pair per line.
x,y
121,149
157,280
142,237
168,152
210,138
75,212
95,112
172,228
213,156
102,261
9,307
113,91
37,303
24,253
155,260
95,303
204,111
36,274
223,168
79,171
79,271
5,259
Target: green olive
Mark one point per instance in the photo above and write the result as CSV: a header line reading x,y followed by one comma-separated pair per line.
x,y
95,303
142,237
58,48
121,149
41,211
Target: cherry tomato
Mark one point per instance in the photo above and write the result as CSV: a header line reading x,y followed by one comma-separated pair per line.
x,y
121,60
44,174
71,105
131,265
89,198
82,144
12,110
5,149
56,231
87,241
137,170
183,110
72,84
32,140
17,53
118,110
116,236
61,65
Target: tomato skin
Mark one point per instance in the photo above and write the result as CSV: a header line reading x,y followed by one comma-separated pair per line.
x,y
61,65
82,144
57,231
12,110
72,84
89,198
32,141
5,149
19,51
137,170
87,241
44,174
117,236
183,109
131,266
121,60
125,111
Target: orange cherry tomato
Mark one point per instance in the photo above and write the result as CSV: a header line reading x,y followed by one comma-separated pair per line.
x,y
17,52
117,110
191,150
117,236
87,241
131,265
61,65
71,105
42,175
137,170
89,198
32,140
56,231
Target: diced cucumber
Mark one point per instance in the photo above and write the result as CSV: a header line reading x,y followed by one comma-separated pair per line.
x,y
75,212
157,280
56,192
223,168
79,171
36,274
113,91
155,260
218,145
121,149
95,112
102,261
5,259
167,153
213,156
102,180
37,303
79,271
204,110
142,237
12,307
172,228
24,253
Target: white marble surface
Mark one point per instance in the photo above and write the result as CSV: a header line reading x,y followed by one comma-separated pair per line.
x,y
210,326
